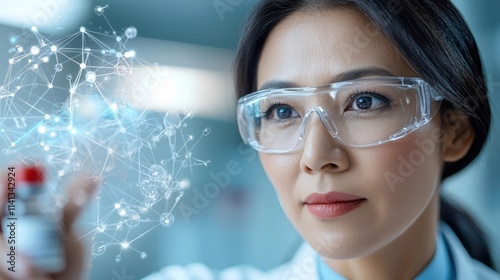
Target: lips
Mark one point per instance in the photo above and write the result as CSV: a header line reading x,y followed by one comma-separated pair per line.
x,y
332,204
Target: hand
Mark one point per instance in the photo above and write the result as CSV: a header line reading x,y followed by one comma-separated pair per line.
x,y
78,195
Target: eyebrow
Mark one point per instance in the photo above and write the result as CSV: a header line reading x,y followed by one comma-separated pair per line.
x,y
344,76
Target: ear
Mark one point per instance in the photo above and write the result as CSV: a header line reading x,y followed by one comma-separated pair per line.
x,y
458,135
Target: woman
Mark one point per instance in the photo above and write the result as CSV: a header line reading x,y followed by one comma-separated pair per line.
x,y
359,109
348,160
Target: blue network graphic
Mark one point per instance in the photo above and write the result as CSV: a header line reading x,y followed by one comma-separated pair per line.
x,y
66,103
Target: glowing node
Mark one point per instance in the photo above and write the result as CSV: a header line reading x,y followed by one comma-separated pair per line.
x,y
47,116
101,227
167,220
110,151
60,173
145,208
42,129
98,248
184,184
149,189
118,258
118,38
90,77
157,172
133,219
129,54
122,212
53,48
11,61
12,144
123,130
83,65
124,244
35,66
169,132
34,50
82,29
190,137
20,49
74,149
74,131
131,32
45,59
47,148
118,205
58,67
69,77
53,134
72,90
172,120
99,10
206,131
42,144
144,255
34,29
114,107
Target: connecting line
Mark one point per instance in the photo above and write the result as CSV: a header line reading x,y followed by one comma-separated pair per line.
x,y
84,123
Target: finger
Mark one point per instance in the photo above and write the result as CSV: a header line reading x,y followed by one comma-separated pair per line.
x,y
78,196
79,193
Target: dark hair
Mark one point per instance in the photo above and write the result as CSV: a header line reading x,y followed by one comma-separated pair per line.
x,y
435,40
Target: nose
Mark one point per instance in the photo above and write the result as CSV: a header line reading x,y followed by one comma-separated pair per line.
x,y
322,152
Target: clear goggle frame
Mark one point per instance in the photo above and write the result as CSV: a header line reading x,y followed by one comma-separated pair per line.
x,y
358,113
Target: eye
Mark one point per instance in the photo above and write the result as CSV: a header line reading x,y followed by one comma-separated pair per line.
x,y
367,101
280,112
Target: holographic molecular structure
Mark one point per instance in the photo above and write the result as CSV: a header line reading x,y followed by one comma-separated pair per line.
x,y
66,102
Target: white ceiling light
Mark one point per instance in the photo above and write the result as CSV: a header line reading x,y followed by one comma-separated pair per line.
x,y
46,15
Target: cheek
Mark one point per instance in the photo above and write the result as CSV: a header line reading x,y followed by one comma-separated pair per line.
x,y
409,161
405,176
283,172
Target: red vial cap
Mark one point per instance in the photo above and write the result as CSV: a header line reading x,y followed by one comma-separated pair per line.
x,y
31,174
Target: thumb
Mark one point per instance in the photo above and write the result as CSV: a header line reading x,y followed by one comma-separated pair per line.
x,y
78,195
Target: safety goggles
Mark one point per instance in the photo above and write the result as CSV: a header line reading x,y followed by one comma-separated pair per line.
x,y
357,113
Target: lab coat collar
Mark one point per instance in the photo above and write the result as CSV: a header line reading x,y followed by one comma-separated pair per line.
x,y
304,266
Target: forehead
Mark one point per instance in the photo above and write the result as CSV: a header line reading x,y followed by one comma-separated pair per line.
x,y
310,47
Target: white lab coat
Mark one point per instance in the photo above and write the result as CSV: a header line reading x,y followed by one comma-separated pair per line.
x,y
303,267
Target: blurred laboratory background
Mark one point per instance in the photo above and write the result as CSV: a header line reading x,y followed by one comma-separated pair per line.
x,y
241,221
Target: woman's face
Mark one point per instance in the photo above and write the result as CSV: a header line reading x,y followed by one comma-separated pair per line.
x,y
391,184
